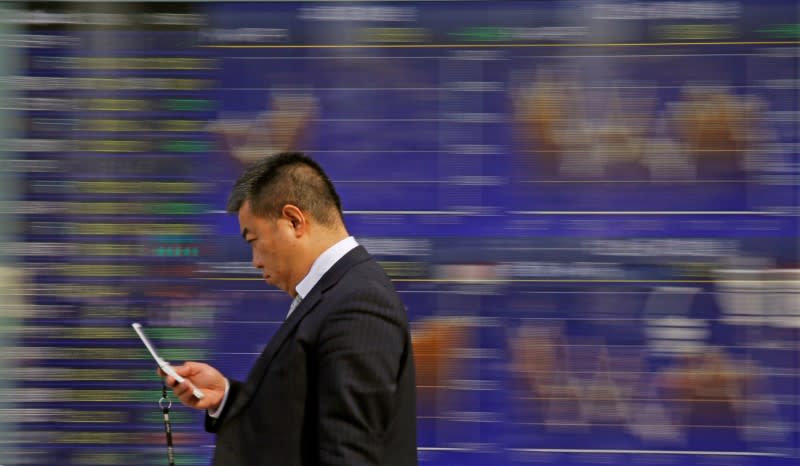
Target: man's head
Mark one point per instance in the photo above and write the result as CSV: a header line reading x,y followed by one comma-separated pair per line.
x,y
289,213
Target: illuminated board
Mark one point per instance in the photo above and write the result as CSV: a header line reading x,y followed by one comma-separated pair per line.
x,y
590,210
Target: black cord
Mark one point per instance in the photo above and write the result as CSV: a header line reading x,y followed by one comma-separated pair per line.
x,y
164,403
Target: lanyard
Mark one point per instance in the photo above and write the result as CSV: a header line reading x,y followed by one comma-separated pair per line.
x,y
165,403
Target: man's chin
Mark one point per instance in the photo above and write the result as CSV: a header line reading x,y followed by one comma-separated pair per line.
x,y
269,281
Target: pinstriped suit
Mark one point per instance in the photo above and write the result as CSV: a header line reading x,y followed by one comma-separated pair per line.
x,y
334,386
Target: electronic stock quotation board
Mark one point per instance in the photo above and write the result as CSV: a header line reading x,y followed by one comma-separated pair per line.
x,y
589,209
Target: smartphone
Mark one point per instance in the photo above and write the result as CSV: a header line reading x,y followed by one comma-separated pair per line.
x,y
163,364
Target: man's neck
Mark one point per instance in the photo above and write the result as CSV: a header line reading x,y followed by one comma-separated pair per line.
x,y
327,241
324,241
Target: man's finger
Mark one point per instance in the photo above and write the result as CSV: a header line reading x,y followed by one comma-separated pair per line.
x,y
181,387
169,381
184,394
184,370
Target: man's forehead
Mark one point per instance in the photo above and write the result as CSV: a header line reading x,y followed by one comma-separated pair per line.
x,y
244,215
245,207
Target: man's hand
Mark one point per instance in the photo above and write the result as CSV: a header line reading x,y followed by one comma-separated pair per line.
x,y
202,376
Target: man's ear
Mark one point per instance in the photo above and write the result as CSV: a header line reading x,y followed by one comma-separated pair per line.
x,y
296,218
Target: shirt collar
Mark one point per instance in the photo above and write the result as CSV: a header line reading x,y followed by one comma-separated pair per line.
x,y
323,263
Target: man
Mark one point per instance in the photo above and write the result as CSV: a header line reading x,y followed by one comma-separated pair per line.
x,y
335,385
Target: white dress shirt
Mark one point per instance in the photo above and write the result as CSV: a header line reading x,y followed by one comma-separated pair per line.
x,y
321,265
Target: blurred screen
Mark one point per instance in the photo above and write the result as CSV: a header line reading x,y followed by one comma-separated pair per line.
x,y
589,208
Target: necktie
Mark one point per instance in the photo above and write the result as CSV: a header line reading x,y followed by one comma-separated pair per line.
x,y
294,304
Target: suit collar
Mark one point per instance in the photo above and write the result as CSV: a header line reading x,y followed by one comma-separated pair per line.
x,y
324,262
330,278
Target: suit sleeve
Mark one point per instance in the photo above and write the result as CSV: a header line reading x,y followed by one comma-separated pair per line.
x,y
212,424
359,363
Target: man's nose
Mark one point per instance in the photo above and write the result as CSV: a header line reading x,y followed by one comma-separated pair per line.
x,y
257,263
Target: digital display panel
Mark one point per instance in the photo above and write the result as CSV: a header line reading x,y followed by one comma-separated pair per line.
x,y
589,208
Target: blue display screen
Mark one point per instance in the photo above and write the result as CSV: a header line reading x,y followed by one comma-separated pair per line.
x,y
590,210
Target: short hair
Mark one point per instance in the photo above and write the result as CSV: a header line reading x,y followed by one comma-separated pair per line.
x,y
287,178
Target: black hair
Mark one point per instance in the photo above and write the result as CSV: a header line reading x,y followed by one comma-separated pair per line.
x,y
287,178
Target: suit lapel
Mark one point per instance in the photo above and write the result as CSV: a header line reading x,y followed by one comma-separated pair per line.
x,y
330,278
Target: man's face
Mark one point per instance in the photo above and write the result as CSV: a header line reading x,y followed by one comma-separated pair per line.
x,y
273,244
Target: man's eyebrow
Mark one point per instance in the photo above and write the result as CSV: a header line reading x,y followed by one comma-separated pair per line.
x,y
244,234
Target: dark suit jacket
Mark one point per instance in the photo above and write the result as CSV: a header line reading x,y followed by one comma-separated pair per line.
x,y
334,386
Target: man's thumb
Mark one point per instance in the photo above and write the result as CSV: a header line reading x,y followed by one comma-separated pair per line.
x,y
185,370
